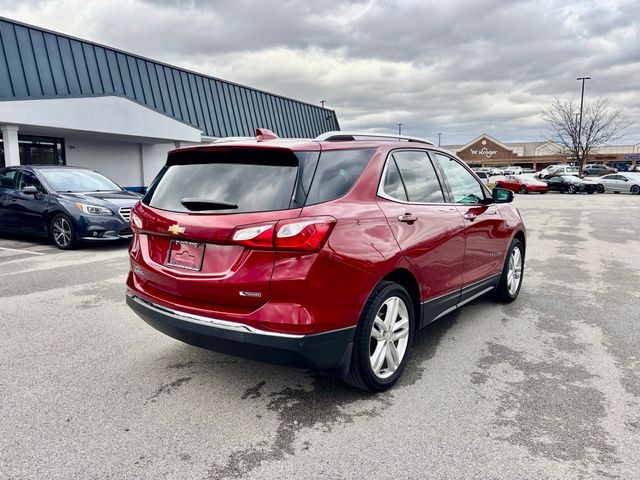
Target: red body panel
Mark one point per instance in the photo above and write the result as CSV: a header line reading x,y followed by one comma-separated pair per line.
x,y
486,242
434,244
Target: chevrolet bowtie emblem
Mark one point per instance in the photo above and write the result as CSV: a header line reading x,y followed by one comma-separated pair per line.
x,y
176,229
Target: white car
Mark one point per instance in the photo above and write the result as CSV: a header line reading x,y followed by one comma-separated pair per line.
x,y
563,170
619,182
513,171
546,170
483,176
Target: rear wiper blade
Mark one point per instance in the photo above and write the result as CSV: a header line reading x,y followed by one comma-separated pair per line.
x,y
199,204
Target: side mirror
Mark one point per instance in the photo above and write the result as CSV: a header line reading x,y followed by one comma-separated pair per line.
x,y
30,190
500,195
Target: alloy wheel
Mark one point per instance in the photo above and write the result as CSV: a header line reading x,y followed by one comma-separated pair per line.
x,y
600,188
514,274
62,234
572,189
389,337
635,190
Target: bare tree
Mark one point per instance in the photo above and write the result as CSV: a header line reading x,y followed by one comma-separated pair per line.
x,y
600,125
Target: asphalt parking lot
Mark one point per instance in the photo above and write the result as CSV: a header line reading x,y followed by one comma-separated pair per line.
x,y
547,387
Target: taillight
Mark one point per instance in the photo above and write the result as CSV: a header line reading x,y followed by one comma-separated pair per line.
x,y
300,234
257,236
304,234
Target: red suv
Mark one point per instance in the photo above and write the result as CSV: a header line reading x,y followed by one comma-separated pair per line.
x,y
326,254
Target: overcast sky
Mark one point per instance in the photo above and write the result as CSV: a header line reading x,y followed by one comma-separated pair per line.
x,y
456,67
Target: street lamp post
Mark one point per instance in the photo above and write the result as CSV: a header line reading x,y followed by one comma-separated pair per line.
x,y
400,128
439,136
580,120
322,102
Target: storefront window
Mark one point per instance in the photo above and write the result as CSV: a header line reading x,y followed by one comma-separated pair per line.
x,y
41,150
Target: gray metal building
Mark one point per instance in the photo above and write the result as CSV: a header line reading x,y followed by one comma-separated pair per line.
x,y
64,100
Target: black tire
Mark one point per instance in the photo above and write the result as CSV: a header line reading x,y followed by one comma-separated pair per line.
x,y
523,190
600,188
66,241
501,292
571,189
635,190
591,192
361,373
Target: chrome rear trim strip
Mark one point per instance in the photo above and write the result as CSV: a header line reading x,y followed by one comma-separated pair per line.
x,y
210,322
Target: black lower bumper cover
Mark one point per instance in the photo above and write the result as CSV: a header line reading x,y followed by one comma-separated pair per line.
x,y
329,351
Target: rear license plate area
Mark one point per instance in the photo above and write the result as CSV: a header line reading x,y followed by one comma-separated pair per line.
x,y
186,255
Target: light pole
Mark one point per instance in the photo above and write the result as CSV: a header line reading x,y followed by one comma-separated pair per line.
x,y
439,135
580,120
400,128
322,102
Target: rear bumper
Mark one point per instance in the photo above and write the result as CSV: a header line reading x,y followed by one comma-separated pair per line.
x,y
323,351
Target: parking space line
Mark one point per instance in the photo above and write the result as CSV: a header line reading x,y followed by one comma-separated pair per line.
x,y
21,251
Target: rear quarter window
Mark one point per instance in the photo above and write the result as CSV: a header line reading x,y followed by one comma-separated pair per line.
x,y
336,173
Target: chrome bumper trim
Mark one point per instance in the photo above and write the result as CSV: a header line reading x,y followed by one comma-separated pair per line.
x,y
210,322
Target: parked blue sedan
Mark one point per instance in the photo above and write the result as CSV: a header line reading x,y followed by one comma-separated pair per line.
x,y
67,204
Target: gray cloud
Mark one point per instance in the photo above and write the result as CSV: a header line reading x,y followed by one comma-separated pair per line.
x,y
456,67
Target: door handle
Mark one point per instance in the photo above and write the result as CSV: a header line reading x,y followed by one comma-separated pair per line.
x,y
408,217
470,216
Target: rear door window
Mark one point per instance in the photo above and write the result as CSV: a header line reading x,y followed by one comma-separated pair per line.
x,y
8,179
419,181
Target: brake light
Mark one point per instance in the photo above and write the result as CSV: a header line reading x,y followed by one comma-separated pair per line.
x,y
300,234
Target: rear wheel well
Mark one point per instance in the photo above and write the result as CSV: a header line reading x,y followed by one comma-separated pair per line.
x,y
405,278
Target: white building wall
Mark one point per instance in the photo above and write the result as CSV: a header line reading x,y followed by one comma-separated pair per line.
x,y
118,160
154,157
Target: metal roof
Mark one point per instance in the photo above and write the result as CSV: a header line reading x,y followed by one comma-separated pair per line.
x,y
37,63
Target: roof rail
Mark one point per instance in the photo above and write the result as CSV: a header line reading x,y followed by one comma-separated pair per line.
x,y
338,136
232,139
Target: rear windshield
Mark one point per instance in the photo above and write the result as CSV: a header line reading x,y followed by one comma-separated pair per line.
x,y
252,180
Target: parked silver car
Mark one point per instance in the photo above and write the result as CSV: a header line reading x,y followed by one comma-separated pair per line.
x,y
598,169
619,182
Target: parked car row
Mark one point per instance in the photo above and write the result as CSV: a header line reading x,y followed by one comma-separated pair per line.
x,y
628,183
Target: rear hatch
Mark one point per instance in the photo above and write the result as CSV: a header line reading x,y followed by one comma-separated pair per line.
x,y
203,225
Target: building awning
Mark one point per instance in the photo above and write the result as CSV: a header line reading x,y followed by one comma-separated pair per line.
x,y
104,115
